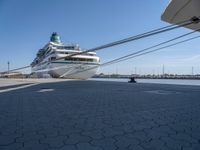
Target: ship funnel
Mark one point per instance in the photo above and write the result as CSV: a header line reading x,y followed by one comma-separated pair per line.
x,y
55,38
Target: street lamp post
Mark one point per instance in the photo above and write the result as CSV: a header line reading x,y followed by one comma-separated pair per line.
x,y
8,67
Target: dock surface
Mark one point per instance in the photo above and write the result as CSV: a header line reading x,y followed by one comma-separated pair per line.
x,y
97,115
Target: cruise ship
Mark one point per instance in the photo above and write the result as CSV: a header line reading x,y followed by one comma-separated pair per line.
x,y
54,59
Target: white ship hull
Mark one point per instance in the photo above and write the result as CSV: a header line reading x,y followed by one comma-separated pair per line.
x,y
64,69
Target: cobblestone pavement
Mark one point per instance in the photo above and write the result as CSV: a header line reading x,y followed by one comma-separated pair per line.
x,y
91,115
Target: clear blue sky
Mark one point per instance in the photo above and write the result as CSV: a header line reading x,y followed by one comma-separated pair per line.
x,y
26,26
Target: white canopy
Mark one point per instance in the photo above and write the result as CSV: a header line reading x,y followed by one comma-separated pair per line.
x,y
181,10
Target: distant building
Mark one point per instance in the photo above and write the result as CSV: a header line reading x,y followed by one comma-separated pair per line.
x,y
13,75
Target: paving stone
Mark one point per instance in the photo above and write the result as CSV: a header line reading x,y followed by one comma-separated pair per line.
x,y
165,129
142,126
178,127
49,132
124,142
54,142
195,135
14,146
174,144
140,135
77,138
34,145
66,147
95,134
68,131
154,145
155,133
101,126
192,147
6,140
33,136
105,143
109,132
87,146
185,137
127,128
135,147
8,130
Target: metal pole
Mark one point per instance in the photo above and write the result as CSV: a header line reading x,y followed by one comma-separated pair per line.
x,y
135,70
163,69
192,70
8,67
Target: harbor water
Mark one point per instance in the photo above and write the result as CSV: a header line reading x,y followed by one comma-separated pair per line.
x,y
156,81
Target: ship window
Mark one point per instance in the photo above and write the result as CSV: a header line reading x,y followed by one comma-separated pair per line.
x,y
47,52
81,59
53,58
